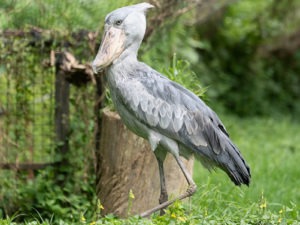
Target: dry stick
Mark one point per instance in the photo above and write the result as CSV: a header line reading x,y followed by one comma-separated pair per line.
x,y
190,191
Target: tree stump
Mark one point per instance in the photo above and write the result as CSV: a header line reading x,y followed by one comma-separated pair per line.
x,y
126,162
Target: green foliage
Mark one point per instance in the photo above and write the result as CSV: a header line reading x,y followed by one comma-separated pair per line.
x,y
42,197
247,77
27,135
172,37
27,101
177,214
58,15
180,72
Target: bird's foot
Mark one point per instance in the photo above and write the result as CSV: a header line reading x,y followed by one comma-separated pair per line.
x,y
189,192
191,189
163,198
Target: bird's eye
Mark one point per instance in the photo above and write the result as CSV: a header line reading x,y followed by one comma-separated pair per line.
x,y
118,22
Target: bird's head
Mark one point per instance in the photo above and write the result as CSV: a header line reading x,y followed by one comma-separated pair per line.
x,y
123,31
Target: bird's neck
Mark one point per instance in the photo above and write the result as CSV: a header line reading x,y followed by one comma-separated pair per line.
x,y
124,64
128,57
131,50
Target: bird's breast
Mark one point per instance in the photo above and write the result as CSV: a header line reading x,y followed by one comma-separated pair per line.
x,y
116,82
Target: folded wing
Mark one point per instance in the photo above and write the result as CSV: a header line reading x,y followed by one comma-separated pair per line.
x,y
170,109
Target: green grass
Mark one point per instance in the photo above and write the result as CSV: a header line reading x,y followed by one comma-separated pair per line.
x,y
272,149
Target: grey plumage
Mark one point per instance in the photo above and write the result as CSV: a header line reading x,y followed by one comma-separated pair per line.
x,y
169,116
163,107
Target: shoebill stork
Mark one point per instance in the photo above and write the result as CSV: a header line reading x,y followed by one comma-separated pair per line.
x,y
169,116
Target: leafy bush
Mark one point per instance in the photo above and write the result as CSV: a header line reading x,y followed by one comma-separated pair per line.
x,y
237,60
180,71
27,135
59,15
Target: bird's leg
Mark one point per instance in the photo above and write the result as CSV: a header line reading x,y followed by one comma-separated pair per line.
x,y
160,157
192,185
163,189
189,192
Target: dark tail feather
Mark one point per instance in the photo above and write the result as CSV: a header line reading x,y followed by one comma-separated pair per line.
x,y
221,152
235,166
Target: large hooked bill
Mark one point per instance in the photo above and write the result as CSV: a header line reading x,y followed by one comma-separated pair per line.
x,y
111,47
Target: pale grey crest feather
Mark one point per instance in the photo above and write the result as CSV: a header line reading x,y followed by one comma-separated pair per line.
x,y
143,6
125,11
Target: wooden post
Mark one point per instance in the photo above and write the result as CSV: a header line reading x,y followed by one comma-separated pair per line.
x,y
68,71
62,92
98,122
126,162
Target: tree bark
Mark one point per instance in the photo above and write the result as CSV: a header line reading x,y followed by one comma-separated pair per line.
x,y
126,162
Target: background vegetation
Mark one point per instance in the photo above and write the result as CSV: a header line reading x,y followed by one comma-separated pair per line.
x,y
245,53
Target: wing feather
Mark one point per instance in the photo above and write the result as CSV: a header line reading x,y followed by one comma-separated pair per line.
x,y
168,108
175,112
